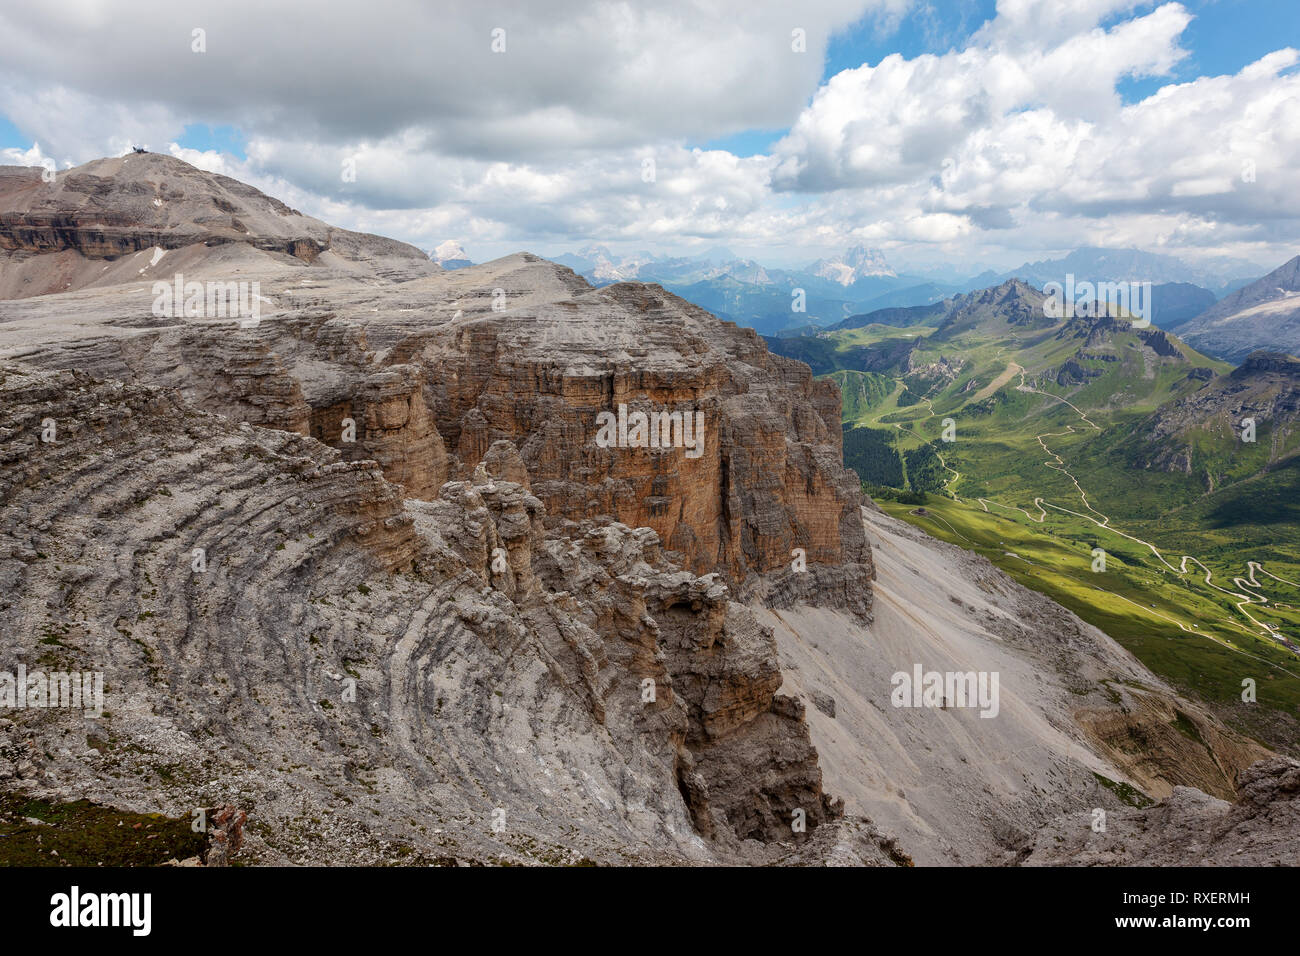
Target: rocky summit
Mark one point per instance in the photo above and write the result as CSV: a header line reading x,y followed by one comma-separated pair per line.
x,y
381,562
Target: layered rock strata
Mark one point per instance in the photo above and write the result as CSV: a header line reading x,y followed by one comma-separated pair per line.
x,y
377,679
431,372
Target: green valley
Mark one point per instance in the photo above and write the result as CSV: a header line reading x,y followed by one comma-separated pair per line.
x,y
1108,466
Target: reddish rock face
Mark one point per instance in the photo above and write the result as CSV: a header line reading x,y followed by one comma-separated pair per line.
x,y
765,477
390,424
748,480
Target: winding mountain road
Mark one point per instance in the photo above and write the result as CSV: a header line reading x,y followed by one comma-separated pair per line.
x,y
1243,597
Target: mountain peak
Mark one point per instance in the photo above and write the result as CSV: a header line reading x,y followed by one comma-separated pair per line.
x,y
109,208
450,254
1264,314
858,262
718,254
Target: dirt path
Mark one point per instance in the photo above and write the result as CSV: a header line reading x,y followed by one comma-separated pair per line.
x,y
1243,597
998,382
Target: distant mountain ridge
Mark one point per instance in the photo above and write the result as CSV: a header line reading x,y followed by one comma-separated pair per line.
x,y
860,288
1096,264
451,255
859,282
770,299
1262,315
859,262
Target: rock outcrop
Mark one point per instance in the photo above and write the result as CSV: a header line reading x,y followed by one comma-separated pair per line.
x,y
431,370
1264,389
1187,828
372,679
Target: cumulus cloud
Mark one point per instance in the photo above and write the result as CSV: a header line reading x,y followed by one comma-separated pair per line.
x,y
1014,140
1023,130
901,118
490,80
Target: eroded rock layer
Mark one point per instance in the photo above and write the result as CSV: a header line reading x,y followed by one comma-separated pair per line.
x,y
1187,828
372,678
425,375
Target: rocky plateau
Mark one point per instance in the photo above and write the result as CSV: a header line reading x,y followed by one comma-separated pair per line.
x,y
361,570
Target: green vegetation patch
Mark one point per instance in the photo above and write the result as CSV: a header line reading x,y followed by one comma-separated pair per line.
x,y
1126,792
81,833
872,453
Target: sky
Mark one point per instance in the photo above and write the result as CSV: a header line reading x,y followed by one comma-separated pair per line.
x,y
954,136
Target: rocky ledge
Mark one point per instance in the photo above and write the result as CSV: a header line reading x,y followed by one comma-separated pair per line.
x,y
371,678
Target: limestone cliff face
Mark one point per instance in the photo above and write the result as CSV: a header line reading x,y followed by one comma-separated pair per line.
x,y
372,679
767,480
391,425
433,372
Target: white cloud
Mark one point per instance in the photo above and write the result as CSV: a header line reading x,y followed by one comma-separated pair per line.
x,y
573,74
1016,141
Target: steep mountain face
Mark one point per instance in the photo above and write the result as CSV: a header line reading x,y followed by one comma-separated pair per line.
x,y
1191,434
1262,315
857,263
365,569
79,230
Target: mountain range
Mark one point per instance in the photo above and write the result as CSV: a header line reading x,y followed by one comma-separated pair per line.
x,y
851,289
1096,264
365,577
1264,314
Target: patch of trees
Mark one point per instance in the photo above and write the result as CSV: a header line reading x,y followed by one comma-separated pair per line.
x,y
925,472
872,454
881,493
